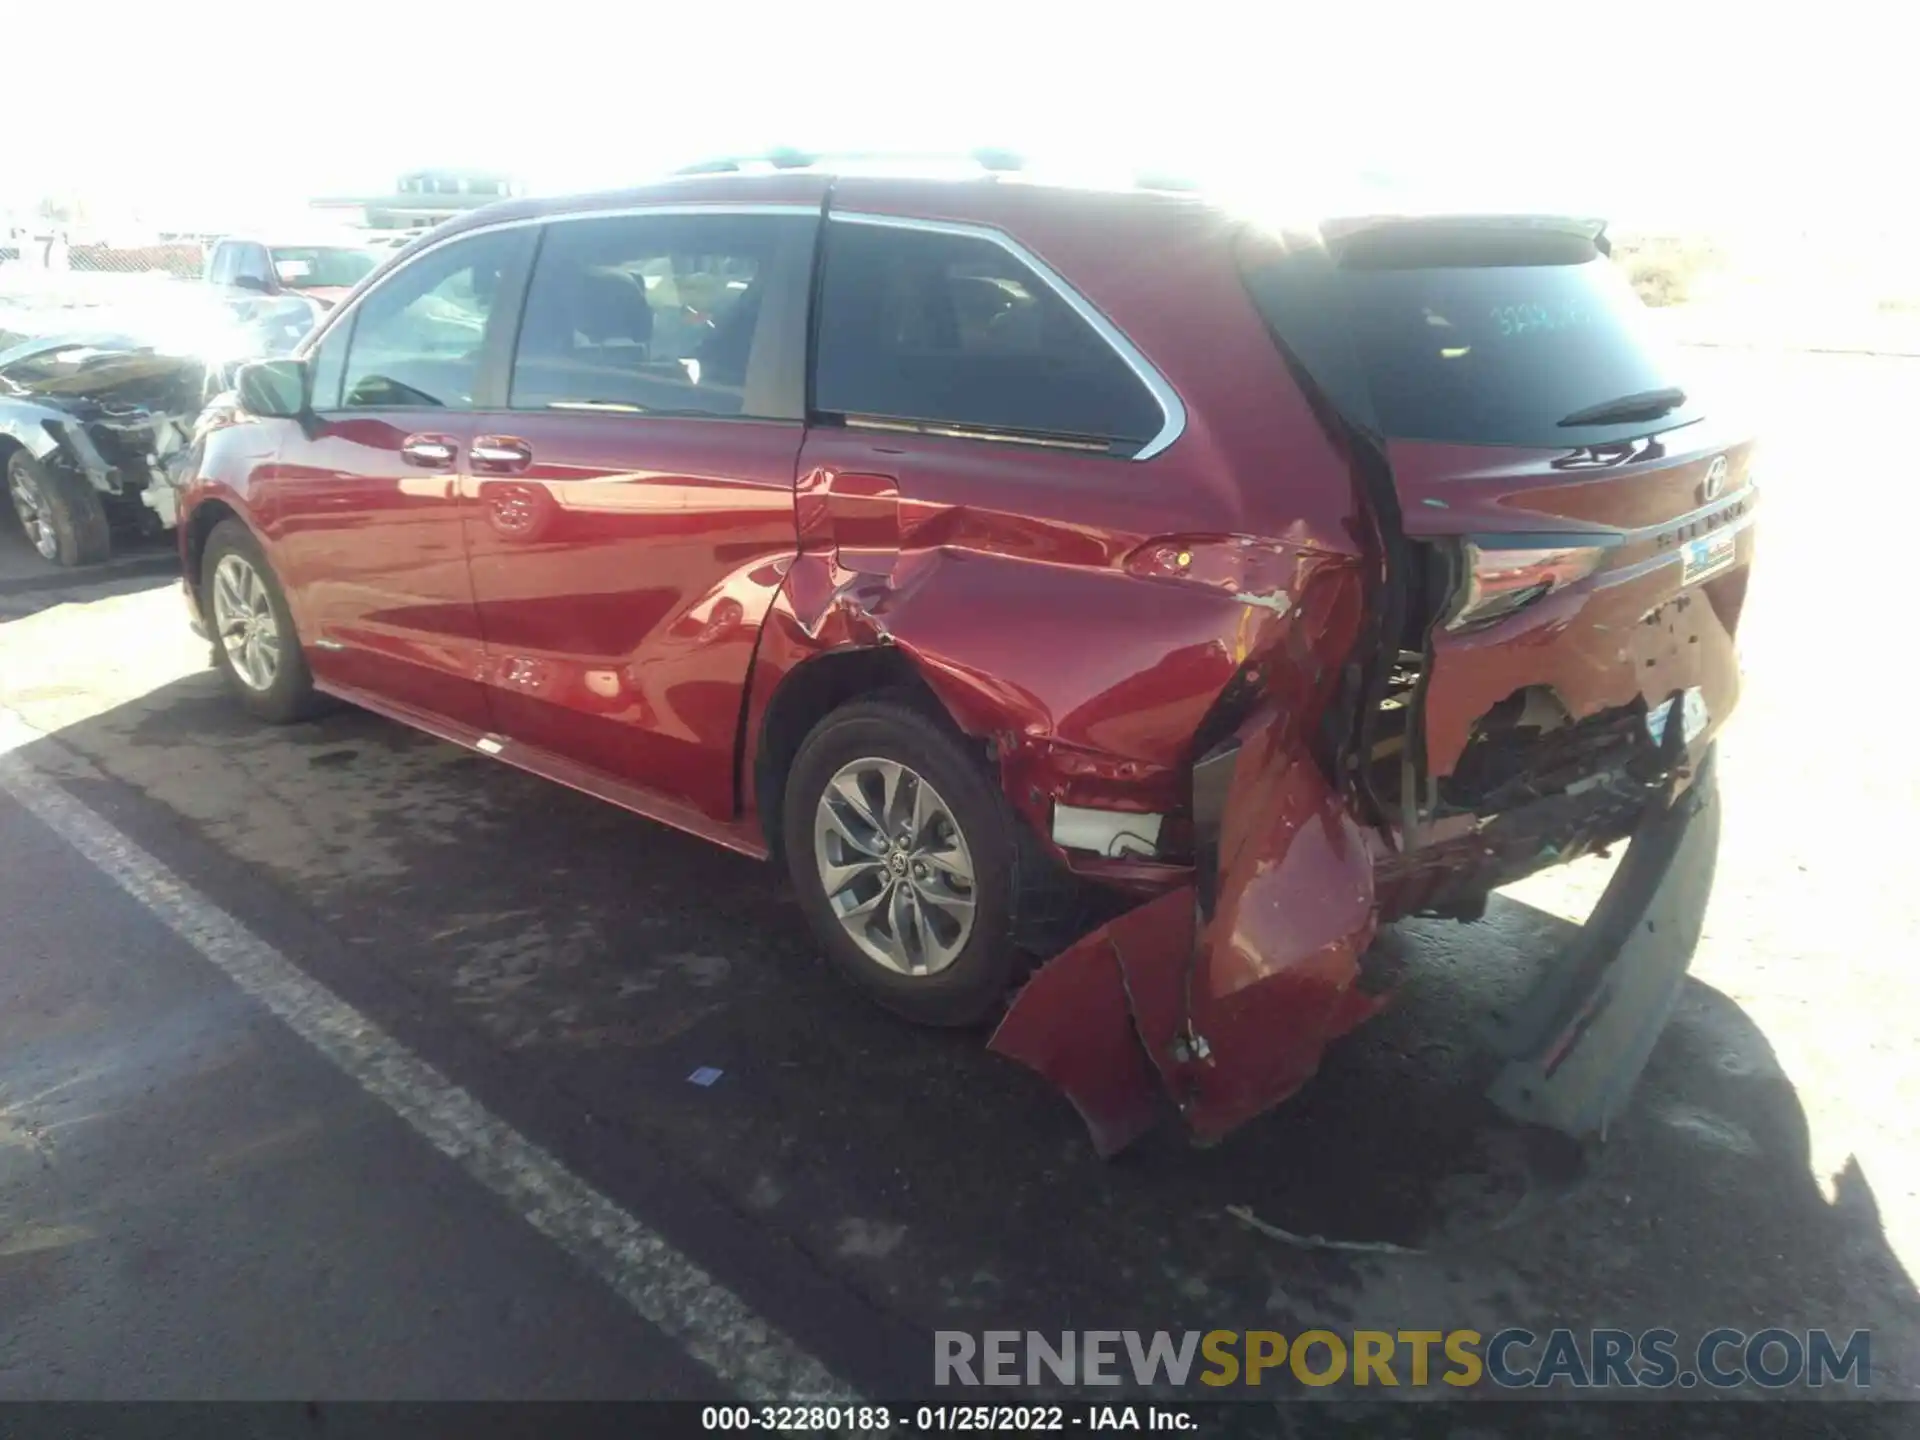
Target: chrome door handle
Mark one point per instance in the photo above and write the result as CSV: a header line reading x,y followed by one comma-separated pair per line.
x,y
429,451
500,452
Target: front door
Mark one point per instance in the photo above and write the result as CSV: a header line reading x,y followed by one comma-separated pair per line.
x,y
630,510
365,504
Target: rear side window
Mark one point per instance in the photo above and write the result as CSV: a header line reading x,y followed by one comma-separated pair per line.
x,y
955,332
663,314
1473,337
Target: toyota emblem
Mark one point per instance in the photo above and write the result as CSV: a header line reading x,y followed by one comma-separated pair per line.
x,y
1715,482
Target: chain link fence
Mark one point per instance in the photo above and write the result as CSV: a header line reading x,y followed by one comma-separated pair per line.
x,y
182,259
56,251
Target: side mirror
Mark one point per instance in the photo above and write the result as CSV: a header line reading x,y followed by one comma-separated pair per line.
x,y
252,282
274,389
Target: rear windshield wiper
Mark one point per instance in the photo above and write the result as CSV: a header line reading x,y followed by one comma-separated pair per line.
x,y
1646,405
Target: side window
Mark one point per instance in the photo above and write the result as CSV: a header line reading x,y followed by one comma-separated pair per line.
x,y
220,264
417,337
652,314
329,364
955,331
250,262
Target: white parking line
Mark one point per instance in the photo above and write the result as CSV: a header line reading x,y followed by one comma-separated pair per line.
x,y
711,1323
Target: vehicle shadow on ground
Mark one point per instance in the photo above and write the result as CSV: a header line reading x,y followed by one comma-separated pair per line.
x,y
562,958
29,584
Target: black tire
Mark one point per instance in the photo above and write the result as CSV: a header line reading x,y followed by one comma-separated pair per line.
x,y
290,696
74,519
975,984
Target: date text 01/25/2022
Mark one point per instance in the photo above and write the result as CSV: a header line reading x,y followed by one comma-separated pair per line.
x,y
940,1419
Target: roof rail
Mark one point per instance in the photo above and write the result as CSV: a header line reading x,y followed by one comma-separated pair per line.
x,y
784,158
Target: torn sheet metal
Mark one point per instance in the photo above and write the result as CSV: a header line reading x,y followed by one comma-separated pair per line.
x,y
1233,1012
1650,625
1073,1022
108,410
1001,644
1218,996
1228,1015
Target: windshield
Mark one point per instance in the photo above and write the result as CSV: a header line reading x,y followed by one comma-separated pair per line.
x,y
1485,339
322,265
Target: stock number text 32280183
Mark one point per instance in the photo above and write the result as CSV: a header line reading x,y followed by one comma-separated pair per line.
x,y
941,1419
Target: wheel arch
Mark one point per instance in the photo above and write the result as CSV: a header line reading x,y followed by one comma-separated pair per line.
x,y
198,528
810,691
23,426
9,444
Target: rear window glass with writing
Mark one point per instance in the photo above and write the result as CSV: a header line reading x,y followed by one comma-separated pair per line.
x,y
1502,354
1490,353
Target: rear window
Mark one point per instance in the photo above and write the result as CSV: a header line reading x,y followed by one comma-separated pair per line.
x,y
322,265
1475,337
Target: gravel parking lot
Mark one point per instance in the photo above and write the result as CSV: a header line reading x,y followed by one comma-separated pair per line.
x,y
860,1183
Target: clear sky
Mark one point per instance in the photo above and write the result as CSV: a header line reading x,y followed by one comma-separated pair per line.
x,y
1633,109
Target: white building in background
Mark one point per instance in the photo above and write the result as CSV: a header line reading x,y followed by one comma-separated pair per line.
x,y
422,198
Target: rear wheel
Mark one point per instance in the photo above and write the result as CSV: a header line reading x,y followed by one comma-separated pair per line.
x,y
254,642
61,513
904,854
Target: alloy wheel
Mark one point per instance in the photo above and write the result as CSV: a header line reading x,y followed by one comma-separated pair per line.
x,y
243,619
895,867
36,516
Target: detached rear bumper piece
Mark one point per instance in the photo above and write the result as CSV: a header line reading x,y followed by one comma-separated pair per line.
x,y
1575,1047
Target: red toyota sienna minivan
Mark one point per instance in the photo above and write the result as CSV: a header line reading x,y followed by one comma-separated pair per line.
x,y
1111,609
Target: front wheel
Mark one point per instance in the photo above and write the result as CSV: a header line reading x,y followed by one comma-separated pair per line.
x,y
905,855
254,641
61,513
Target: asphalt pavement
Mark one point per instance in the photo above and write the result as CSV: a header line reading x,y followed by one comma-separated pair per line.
x,y
197,1204
847,1184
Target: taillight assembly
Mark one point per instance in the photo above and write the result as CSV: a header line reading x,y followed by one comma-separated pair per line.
x,y
1502,581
